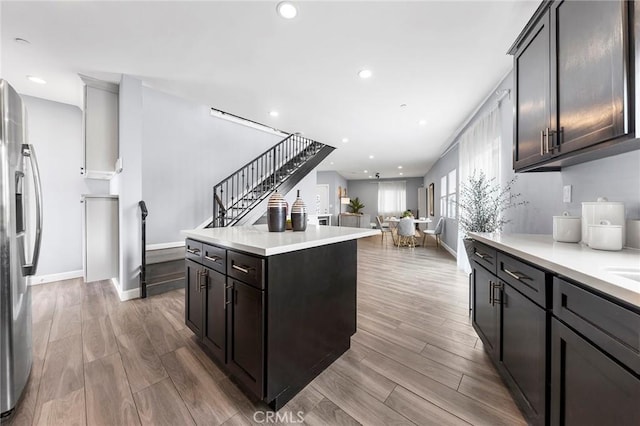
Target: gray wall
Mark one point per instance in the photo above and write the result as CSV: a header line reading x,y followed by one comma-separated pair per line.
x,y
617,178
442,168
334,180
185,153
55,130
128,183
367,192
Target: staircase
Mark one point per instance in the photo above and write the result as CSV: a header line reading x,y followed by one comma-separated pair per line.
x,y
241,199
238,200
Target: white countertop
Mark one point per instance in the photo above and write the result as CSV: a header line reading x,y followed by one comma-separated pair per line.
x,y
575,261
258,240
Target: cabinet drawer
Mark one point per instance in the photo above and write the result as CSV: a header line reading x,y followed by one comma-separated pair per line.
x,y
525,278
214,257
246,268
612,327
193,250
485,256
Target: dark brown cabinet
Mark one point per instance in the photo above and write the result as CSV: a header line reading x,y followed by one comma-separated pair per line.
x,y
194,298
510,315
572,84
486,313
589,387
246,334
215,319
524,348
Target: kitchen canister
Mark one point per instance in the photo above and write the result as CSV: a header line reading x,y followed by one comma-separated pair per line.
x,y
595,212
299,214
567,229
276,213
605,236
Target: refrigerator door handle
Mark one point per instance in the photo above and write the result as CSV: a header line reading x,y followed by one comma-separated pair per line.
x,y
29,151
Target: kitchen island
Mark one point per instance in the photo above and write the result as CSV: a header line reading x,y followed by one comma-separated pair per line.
x,y
275,309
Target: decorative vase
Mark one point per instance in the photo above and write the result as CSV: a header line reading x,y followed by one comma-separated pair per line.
x,y
276,213
299,214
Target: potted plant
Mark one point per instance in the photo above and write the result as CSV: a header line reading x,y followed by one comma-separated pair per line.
x,y
356,206
407,213
481,204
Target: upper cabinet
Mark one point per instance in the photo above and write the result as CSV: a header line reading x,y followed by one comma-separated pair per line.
x,y
573,84
100,128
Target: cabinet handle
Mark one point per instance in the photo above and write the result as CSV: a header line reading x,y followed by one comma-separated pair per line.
x,y
193,251
482,256
546,140
541,142
494,287
212,259
205,275
198,272
491,293
226,302
241,269
517,275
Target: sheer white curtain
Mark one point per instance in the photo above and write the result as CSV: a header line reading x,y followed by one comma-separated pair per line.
x,y
478,150
392,198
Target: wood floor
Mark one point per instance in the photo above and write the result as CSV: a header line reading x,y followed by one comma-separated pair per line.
x,y
414,360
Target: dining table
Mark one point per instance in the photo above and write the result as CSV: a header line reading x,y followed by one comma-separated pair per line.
x,y
392,223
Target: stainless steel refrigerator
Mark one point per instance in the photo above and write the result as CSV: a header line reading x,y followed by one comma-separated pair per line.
x,y
20,234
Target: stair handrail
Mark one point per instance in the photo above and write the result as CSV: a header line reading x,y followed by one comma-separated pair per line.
x,y
255,176
143,261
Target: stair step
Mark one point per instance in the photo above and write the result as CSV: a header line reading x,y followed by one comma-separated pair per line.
x,y
164,255
164,286
159,270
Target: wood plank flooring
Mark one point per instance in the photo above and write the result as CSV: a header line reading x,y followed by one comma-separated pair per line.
x,y
415,358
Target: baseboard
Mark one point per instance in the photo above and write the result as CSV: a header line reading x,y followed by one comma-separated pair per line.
x,y
61,276
126,294
162,246
449,249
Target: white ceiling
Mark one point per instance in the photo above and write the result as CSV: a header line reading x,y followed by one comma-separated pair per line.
x,y
439,58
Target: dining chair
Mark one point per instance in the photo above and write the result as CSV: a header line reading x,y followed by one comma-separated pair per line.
x,y
406,232
437,231
382,228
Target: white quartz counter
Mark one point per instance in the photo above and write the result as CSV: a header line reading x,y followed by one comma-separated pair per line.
x,y
258,240
595,268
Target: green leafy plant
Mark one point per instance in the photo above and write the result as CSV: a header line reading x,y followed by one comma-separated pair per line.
x,y
407,213
355,205
482,202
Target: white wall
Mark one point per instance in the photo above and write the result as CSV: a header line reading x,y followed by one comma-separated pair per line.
x,y
185,152
334,180
55,130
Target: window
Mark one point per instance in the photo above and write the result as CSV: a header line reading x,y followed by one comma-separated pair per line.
x,y
451,195
443,196
392,198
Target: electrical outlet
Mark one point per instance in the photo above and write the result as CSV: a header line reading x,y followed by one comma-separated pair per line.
x,y
566,194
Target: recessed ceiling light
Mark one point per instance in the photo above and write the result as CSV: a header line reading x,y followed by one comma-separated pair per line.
x,y
21,40
422,122
332,163
35,79
399,167
370,176
370,157
366,171
400,173
365,73
274,113
287,10
345,140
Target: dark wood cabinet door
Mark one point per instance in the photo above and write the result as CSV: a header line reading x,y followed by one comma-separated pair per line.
x,y
194,298
590,41
246,336
532,119
215,323
524,346
588,387
485,312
